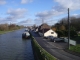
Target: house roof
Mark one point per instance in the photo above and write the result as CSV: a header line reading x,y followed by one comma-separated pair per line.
x,y
44,28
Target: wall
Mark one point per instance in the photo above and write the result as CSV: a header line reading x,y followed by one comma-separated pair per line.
x,y
48,33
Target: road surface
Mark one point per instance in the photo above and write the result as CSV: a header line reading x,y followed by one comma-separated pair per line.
x,y
55,49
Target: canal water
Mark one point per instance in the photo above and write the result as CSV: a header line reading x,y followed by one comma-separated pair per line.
x,y
13,47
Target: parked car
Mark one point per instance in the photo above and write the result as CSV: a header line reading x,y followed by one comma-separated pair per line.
x,y
58,39
50,37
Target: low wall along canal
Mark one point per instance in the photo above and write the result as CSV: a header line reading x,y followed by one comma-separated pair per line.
x,y
40,53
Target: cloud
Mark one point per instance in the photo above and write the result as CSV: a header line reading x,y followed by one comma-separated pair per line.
x,y
3,20
2,2
60,8
26,1
38,21
76,15
26,22
72,4
45,14
49,14
14,15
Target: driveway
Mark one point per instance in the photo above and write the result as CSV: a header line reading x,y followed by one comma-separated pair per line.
x,y
55,49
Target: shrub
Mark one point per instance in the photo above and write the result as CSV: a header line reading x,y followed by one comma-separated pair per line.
x,y
73,34
60,33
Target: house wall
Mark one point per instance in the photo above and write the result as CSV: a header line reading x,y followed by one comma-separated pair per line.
x,y
36,30
48,33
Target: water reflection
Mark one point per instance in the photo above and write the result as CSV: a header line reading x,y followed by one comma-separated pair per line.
x,y
12,47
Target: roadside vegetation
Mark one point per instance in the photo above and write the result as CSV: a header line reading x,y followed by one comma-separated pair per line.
x,y
2,32
40,52
75,48
4,28
61,27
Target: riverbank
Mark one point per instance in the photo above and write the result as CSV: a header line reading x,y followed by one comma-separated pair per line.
x,y
4,32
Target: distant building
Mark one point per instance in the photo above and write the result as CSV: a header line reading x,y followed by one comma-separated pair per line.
x,y
36,29
45,30
50,33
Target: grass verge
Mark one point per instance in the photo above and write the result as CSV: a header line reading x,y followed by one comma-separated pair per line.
x,y
3,32
75,48
41,53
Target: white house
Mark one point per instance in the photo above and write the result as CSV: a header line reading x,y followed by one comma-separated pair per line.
x,y
50,33
36,30
45,30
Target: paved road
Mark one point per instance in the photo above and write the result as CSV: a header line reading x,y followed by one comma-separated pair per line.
x,y
56,49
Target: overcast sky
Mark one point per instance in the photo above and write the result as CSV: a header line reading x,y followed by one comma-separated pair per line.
x,y
29,12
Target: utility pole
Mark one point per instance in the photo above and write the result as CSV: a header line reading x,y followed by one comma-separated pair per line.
x,y
43,27
68,30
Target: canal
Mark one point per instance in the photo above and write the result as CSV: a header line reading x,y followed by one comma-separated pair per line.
x,y
13,47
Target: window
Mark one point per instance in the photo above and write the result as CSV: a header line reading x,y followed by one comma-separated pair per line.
x,y
52,32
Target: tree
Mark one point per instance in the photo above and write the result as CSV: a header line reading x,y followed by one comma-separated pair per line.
x,y
62,27
53,28
3,27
